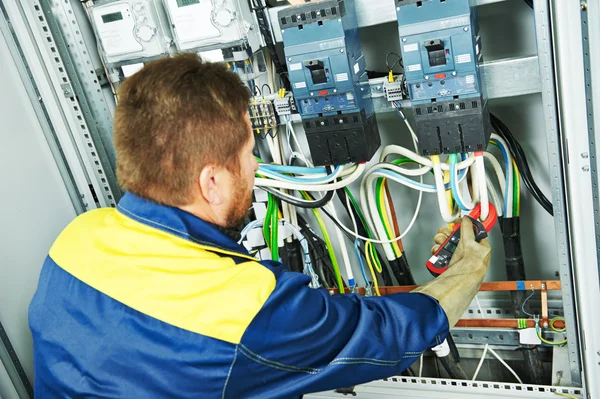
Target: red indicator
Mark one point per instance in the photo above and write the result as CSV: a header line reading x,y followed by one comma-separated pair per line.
x,y
323,92
440,76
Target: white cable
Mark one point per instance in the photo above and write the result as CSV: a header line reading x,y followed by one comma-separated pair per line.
x,y
421,366
351,214
343,247
495,198
396,149
493,352
410,129
508,196
498,169
441,194
483,193
260,182
485,349
367,197
475,189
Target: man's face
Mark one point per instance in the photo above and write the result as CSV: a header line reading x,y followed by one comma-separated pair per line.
x,y
242,183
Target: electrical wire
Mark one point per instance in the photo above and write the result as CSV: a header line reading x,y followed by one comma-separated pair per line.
x,y
398,61
521,160
493,352
300,203
261,182
524,302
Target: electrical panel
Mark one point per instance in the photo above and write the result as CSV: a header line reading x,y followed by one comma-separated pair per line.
x,y
128,30
441,51
327,73
209,24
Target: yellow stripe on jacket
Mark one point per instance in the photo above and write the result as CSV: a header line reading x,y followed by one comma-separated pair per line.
x,y
163,276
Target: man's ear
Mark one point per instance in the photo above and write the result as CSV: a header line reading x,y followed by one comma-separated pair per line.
x,y
208,185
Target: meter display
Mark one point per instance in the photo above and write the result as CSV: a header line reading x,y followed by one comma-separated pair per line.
x,y
128,30
206,24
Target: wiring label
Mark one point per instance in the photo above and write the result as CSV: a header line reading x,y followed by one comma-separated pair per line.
x,y
411,47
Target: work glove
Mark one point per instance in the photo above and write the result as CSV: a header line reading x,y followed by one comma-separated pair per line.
x,y
456,287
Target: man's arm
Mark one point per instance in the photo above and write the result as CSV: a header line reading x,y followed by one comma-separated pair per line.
x,y
304,340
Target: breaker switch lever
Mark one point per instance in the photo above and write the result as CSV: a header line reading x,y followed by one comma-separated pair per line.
x,y
436,51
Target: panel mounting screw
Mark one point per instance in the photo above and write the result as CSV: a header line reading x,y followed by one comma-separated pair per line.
x,y
312,94
341,50
341,121
583,6
322,123
585,155
335,90
289,60
403,40
586,168
454,73
466,29
426,77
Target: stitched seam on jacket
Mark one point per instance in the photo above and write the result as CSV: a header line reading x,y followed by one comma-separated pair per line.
x,y
191,238
229,373
310,370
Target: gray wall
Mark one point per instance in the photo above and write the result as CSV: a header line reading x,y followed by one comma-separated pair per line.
x,y
34,206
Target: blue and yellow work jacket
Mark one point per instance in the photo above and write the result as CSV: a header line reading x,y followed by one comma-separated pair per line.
x,y
148,301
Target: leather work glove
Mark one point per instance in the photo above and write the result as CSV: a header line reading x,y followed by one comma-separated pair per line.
x,y
457,286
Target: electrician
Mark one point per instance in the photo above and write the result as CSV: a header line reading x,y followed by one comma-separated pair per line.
x,y
153,299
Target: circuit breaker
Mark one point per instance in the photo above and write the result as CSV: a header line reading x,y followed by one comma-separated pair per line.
x,y
128,30
441,51
327,72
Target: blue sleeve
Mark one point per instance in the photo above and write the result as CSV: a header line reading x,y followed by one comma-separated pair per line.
x,y
304,340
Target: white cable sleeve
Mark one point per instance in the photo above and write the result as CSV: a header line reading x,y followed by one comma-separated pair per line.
x,y
482,186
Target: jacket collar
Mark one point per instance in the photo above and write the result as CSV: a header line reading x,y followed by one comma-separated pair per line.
x,y
177,222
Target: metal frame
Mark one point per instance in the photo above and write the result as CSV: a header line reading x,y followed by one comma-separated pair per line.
x,y
48,71
577,111
556,161
66,30
40,110
415,387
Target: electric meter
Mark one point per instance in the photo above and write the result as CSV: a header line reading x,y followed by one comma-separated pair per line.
x,y
128,30
207,24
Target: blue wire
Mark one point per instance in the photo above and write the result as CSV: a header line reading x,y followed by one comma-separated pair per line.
x,y
524,302
360,261
454,183
305,179
292,169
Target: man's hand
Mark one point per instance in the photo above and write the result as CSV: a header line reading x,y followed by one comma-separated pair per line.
x,y
457,286
467,246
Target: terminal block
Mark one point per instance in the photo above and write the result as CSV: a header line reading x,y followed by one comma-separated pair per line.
x,y
283,106
441,50
262,115
327,71
393,91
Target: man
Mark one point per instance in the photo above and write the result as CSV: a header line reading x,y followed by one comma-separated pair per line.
x,y
153,300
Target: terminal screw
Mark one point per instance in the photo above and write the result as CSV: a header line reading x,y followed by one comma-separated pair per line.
x,y
403,40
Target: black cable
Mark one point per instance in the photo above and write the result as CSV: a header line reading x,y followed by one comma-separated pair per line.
x,y
521,159
263,24
399,60
318,253
269,87
533,372
321,202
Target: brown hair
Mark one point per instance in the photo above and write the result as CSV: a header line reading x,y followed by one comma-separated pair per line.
x,y
174,117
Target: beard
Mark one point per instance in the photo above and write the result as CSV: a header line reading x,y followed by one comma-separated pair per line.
x,y
240,206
